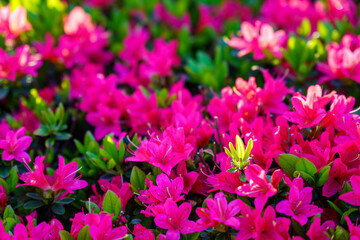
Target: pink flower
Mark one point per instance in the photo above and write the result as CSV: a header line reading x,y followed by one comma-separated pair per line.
x,y
258,187
135,46
100,226
165,153
161,13
14,146
342,64
63,179
353,197
273,94
3,199
100,3
12,24
116,185
270,227
142,233
26,63
7,66
293,12
106,120
247,227
339,173
165,189
354,230
46,49
175,220
161,59
338,9
309,111
299,205
188,177
257,39
317,231
222,212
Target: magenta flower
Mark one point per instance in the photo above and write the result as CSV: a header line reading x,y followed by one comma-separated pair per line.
x,y
12,24
342,64
257,39
317,230
309,111
353,197
222,212
339,173
299,205
161,60
116,185
7,66
165,153
175,220
354,230
100,226
142,233
188,177
63,179
106,120
273,94
270,227
258,187
247,227
14,146
165,189
27,63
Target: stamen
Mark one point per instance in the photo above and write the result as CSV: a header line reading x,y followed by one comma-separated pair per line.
x,y
27,165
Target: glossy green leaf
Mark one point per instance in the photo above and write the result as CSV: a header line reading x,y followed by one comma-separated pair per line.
x,y
287,162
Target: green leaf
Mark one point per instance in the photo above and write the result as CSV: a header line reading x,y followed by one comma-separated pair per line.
x,y
97,161
65,200
9,212
347,214
58,209
191,236
9,224
298,228
121,151
232,170
137,179
110,147
79,146
5,185
33,204
336,208
304,165
341,233
65,235
13,179
307,177
84,233
92,207
34,196
287,162
323,176
346,188
112,203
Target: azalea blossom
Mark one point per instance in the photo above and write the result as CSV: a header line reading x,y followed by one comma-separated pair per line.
x,y
258,187
353,197
175,220
13,23
258,39
63,179
100,226
299,205
309,110
15,144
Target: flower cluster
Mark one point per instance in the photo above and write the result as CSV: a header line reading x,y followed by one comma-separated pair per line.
x,y
179,120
